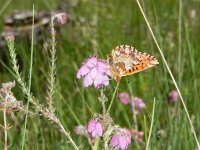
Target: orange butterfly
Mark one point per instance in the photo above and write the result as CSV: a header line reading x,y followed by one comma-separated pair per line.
x,y
126,60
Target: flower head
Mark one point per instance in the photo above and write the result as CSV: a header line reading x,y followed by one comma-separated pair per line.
x,y
121,139
138,103
9,37
124,98
61,17
173,95
138,134
94,71
95,128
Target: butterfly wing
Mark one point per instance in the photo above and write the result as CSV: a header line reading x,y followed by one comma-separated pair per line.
x,y
126,60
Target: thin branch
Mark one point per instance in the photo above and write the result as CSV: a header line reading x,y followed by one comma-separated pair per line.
x,y
5,130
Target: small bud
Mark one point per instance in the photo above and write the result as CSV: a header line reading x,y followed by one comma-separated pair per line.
x,y
173,95
61,18
137,134
9,37
80,130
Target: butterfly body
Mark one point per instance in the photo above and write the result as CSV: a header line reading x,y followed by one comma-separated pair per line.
x,y
126,60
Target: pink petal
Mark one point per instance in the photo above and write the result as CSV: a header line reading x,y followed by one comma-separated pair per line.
x,y
99,80
105,80
91,62
99,129
94,133
91,126
93,73
108,72
102,66
114,141
128,139
142,105
87,81
123,143
82,71
106,83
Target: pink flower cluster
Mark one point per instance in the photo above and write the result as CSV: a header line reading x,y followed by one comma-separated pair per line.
x,y
138,103
94,71
124,98
121,139
61,17
95,128
9,37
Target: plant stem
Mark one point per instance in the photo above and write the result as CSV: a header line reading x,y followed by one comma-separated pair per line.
x,y
172,77
108,110
67,135
5,130
150,131
96,145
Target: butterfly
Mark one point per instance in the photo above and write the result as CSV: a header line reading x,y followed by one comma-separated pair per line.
x,y
125,60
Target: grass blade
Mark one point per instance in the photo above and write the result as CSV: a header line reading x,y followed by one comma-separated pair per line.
x,y
171,75
29,83
152,119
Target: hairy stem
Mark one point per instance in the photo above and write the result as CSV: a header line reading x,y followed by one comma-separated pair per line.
x,y
51,80
67,135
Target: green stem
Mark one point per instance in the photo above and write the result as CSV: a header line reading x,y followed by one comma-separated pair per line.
x,y
29,86
152,119
113,97
5,129
96,145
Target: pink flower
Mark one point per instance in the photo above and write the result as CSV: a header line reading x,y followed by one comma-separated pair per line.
x,y
94,71
9,37
95,128
61,17
138,134
124,98
80,130
173,95
138,103
121,139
